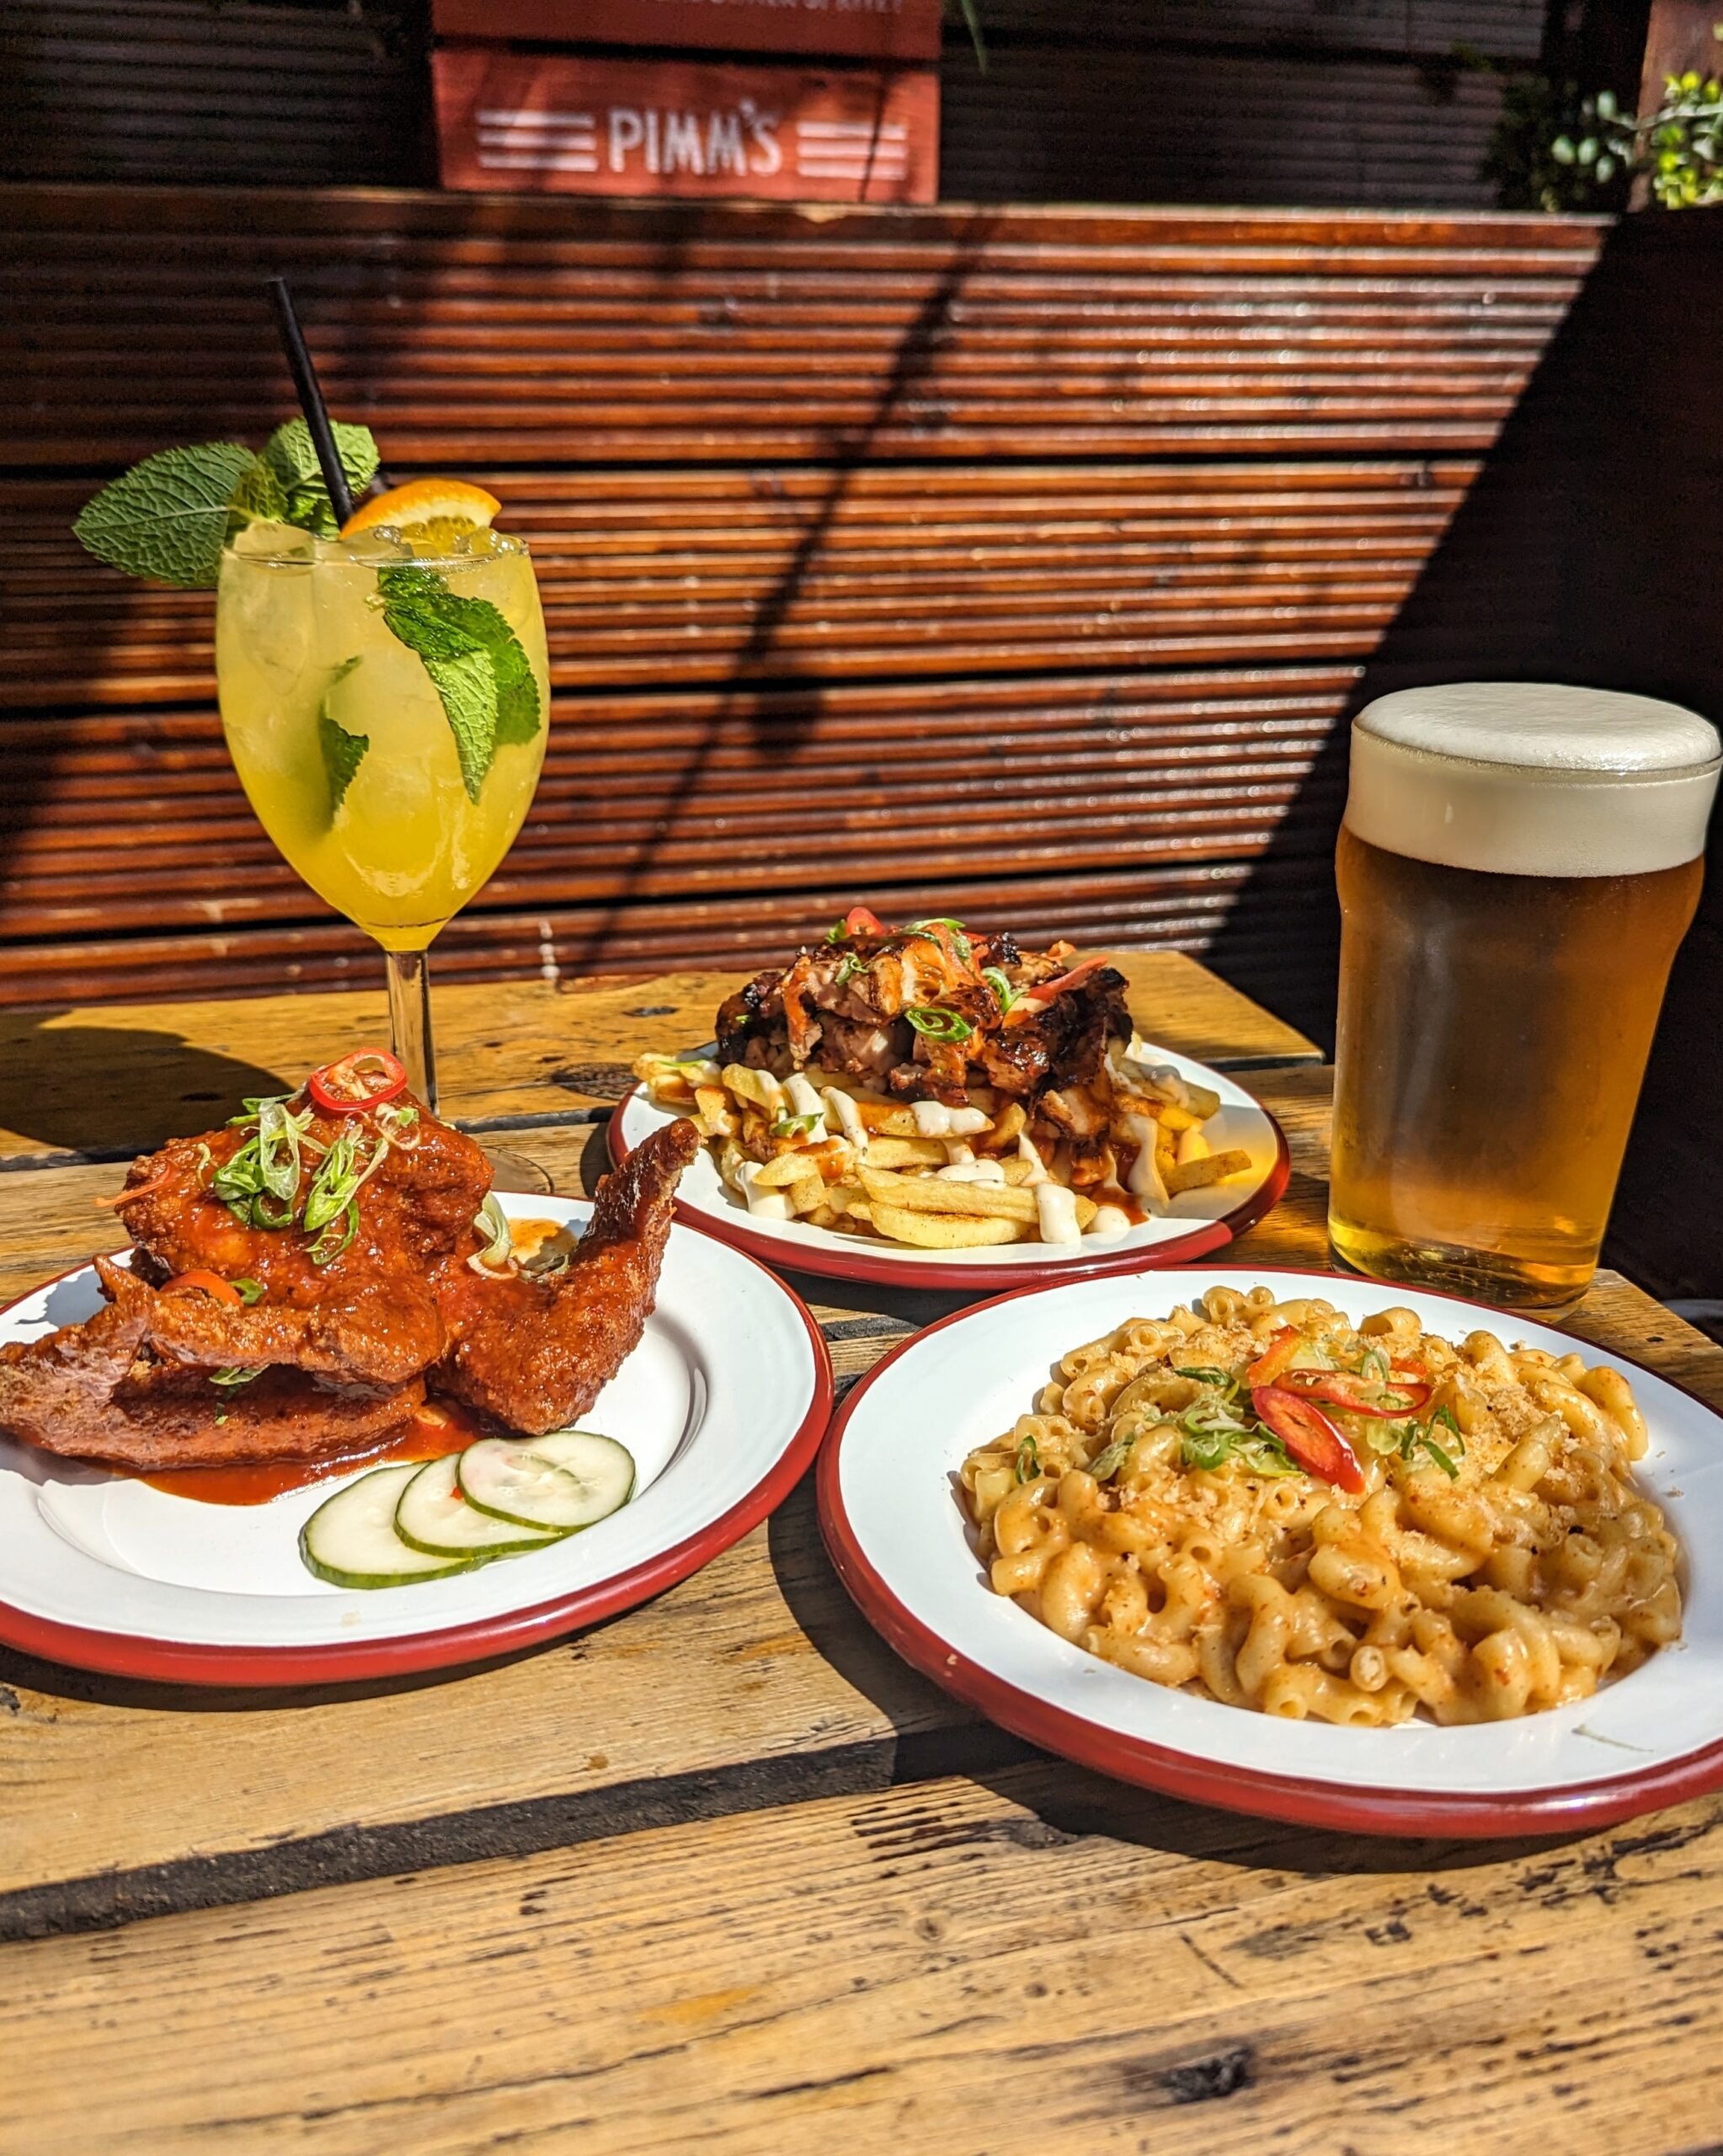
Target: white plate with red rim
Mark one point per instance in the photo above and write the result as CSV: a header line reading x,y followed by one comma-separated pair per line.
x,y
903,1547
1200,1221
722,1405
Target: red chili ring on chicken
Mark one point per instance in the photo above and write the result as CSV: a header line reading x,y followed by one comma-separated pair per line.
x,y
367,1079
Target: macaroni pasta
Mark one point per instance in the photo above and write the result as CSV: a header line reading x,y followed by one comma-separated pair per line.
x,y
1446,1527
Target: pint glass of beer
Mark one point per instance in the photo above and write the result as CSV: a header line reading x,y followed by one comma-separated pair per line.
x,y
1516,866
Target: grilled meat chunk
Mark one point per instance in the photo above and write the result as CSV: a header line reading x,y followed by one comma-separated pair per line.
x,y
102,1391
535,1352
845,1006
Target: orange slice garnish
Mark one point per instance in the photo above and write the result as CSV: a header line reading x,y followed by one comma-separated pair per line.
x,y
428,513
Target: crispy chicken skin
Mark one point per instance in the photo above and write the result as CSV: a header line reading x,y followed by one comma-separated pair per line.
x,y
535,1353
332,1359
97,1391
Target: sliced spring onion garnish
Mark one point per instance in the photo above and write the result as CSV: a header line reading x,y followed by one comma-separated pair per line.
x,y
491,1221
938,1023
1107,1462
279,1131
1373,1363
326,1249
1206,1373
849,966
798,1126
962,948
1028,1464
229,1379
248,1291
1001,986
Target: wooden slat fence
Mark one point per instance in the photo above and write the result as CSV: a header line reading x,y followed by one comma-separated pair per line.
x,y
1011,562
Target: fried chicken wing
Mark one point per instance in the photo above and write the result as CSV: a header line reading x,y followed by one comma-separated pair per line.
x,y
537,1352
333,1251
102,1390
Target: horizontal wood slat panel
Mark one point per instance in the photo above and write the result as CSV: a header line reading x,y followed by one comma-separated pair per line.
x,y
783,573
1430,28
1178,909
1076,118
875,554
948,335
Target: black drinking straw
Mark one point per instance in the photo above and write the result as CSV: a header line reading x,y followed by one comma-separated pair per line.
x,y
311,399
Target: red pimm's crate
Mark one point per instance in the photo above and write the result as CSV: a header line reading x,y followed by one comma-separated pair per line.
x,y
574,124
846,29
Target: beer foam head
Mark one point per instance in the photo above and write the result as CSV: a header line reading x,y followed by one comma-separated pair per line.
x,y
1530,779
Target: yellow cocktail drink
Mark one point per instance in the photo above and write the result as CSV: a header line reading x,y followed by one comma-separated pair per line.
x,y
346,698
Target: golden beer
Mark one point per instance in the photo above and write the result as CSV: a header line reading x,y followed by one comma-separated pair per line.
x,y
1516,868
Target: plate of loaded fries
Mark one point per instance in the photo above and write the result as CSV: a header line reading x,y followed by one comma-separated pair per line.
x,y
342,1410
935,1106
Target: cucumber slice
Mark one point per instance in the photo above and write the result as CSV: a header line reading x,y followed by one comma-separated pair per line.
x,y
566,1480
350,1540
431,1515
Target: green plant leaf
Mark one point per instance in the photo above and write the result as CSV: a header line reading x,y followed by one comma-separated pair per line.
x,y
488,704
292,456
259,497
168,516
468,688
343,753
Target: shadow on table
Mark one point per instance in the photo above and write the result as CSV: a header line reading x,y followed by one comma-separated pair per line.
x,y
105,1089
937,1738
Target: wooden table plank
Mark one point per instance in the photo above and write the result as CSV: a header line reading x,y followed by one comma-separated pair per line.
x,y
755,1674
1015,1963
125,1076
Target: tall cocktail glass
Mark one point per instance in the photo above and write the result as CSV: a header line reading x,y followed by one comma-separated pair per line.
x,y
365,755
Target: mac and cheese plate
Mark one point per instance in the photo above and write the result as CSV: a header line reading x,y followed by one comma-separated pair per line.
x,y
1311,1547
205,1576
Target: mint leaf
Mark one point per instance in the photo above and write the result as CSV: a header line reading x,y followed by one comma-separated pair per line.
x,y
168,516
468,688
517,692
417,609
259,497
292,456
342,752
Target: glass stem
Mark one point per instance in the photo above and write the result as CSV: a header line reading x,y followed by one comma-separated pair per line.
x,y
409,1022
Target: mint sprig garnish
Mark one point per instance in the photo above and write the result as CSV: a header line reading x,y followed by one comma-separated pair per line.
x,y
343,753
475,661
169,516
290,457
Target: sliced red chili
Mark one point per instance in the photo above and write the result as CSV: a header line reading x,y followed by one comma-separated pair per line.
x,y
366,1078
1309,1438
212,1283
863,921
1340,1389
1034,1001
1276,1356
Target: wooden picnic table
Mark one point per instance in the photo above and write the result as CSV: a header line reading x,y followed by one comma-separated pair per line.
x,y
725,1874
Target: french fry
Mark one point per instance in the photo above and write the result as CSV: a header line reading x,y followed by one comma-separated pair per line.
x,y
1017,1170
905,1152
845,1197
806,1194
791,1167
717,1118
975,1201
943,1231
759,1088
1197,1175
1193,1145
929,1194
1008,1127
